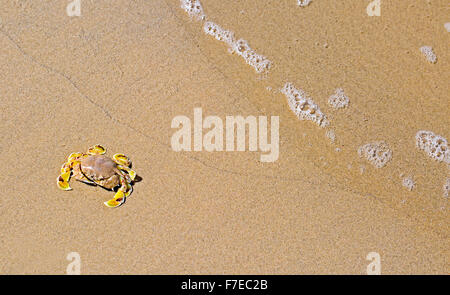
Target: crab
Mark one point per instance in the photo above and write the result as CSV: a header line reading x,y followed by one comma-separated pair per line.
x,y
95,168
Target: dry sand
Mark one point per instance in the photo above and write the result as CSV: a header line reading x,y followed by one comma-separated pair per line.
x,y
120,72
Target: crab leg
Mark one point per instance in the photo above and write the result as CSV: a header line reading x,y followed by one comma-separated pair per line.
x,y
74,156
130,172
63,179
84,179
123,192
96,150
121,159
66,171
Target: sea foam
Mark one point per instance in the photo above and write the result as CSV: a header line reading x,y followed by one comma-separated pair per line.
x,y
219,33
338,100
427,51
434,145
409,183
193,8
303,3
260,63
377,153
304,107
331,135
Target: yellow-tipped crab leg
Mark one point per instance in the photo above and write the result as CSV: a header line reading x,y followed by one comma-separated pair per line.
x,y
62,183
121,159
123,192
63,179
96,150
66,170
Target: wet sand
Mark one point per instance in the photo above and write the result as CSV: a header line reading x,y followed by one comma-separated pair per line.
x,y
118,75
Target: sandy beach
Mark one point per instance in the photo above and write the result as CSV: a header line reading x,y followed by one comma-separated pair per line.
x,y
119,73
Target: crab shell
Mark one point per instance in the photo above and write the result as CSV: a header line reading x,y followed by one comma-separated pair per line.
x,y
102,170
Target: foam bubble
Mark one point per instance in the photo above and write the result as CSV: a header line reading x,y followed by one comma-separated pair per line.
x,y
219,33
193,8
427,51
434,145
409,183
377,153
303,106
339,99
303,3
331,135
259,62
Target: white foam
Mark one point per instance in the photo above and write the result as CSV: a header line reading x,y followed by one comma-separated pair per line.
x,y
434,145
409,183
303,106
219,33
427,51
303,3
377,153
331,135
193,8
259,62
339,99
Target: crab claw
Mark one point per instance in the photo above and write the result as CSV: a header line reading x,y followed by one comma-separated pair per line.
x,y
119,199
121,159
63,183
96,150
